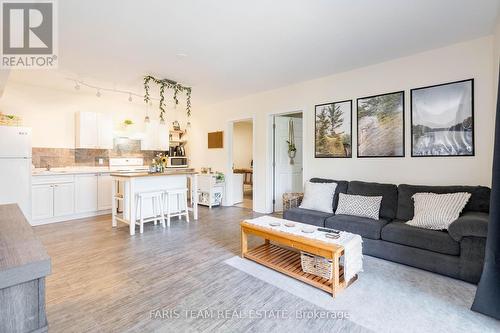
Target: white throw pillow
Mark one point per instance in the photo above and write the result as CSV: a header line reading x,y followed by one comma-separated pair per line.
x,y
437,211
359,205
319,196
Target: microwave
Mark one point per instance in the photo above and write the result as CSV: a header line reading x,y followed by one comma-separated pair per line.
x,y
177,162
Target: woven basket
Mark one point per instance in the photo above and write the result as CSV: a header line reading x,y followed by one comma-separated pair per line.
x,y
292,200
8,120
315,265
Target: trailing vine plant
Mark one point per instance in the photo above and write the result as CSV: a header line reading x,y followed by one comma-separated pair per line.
x,y
167,84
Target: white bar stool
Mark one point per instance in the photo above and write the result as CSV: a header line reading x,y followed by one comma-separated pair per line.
x,y
158,209
181,196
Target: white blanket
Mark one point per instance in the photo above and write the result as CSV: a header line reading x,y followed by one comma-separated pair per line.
x,y
352,243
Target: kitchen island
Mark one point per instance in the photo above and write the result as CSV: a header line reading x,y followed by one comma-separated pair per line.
x,y
137,182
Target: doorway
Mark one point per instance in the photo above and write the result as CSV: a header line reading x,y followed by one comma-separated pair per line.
x,y
287,156
242,164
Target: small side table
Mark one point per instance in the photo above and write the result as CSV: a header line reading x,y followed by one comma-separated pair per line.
x,y
210,191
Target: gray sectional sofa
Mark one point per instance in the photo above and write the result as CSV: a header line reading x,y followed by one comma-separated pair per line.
x,y
458,252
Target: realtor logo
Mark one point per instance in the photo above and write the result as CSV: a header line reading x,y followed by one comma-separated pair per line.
x,y
28,34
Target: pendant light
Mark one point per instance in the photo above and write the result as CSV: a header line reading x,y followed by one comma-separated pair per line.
x,y
146,118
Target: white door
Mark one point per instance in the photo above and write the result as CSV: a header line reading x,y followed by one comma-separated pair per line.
x,y
237,188
86,193
105,131
288,177
104,186
43,202
64,199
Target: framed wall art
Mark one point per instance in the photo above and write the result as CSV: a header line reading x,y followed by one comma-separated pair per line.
x,y
442,120
333,130
381,125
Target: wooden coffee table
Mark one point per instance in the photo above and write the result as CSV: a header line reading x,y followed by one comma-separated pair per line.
x,y
283,255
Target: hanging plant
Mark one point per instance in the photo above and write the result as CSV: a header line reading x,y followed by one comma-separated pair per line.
x,y
167,84
292,150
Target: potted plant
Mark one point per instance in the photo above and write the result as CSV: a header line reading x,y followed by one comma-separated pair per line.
x,y
292,150
219,177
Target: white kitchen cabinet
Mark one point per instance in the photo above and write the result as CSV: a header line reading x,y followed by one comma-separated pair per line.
x,y
43,201
64,199
105,131
155,136
53,200
104,187
86,193
94,130
163,140
57,198
86,130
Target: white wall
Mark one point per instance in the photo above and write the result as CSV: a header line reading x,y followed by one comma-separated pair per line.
x,y
472,59
242,144
496,54
4,75
51,111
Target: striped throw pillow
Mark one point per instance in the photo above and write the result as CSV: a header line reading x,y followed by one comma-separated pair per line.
x,y
437,211
359,205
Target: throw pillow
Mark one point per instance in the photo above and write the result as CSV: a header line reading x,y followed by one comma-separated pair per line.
x,y
319,196
437,211
359,205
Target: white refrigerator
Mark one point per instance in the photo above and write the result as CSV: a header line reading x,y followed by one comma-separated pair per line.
x,y
15,167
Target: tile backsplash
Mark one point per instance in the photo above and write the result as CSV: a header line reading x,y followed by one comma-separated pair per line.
x,y
68,157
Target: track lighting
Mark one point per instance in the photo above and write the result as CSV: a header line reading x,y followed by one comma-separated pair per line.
x,y
98,94
77,86
130,97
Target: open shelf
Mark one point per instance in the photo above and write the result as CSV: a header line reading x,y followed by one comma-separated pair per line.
x,y
287,261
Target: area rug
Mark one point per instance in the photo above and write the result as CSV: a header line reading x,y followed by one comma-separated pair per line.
x,y
388,297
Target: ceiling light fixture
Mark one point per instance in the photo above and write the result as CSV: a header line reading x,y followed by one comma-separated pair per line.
x,y
98,93
79,84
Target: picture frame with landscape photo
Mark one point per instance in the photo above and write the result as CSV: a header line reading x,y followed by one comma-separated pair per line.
x,y
442,120
381,125
333,130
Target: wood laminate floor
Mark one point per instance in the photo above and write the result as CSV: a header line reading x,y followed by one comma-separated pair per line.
x,y
104,280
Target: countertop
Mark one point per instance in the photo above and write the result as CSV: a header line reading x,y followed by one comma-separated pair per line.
x,y
23,257
157,174
84,170
69,171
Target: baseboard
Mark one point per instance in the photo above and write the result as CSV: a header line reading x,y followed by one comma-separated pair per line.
x,y
69,217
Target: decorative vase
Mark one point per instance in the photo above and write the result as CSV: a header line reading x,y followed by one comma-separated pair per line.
x,y
291,155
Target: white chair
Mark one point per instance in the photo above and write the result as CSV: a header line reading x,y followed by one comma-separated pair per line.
x,y
181,196
157,205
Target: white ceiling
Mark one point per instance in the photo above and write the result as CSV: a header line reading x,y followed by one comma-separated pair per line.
x,y
237,47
